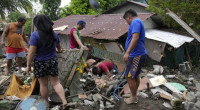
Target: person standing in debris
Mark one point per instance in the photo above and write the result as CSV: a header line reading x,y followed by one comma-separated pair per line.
x,y
136,54
75,38
105,67
15,46
76,43
43,45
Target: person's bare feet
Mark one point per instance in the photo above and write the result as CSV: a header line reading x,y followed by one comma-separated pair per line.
x,y
131,100
7,73
64,106
127,95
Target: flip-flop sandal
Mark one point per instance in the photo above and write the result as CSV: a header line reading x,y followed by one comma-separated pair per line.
x,y
130,101
127,95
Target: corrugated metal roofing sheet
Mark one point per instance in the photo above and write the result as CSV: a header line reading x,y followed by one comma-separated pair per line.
x,y
106,26
175,40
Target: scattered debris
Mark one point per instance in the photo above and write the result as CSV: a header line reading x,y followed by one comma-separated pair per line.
x,y
172,88
167,105
197,86
178,86
170,76
157,69
87,102
12,98
143,95
82,96
159,80
165,96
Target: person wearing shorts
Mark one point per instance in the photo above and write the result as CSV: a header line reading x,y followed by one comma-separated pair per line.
x,y
43,44
15,47
136,54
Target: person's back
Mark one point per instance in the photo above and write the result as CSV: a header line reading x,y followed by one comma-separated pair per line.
x,y
106,66
42,53
43,44
73,43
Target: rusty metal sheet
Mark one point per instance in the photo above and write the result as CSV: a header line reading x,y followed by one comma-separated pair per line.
x,y
106,26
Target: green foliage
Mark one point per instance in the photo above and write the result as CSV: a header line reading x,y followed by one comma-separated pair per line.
x,y
51,8
13,16
13,5
27,26
78,7
111,3
187,10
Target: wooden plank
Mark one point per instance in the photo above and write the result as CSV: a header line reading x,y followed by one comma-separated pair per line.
x,y
71,75
165,96
121,92
183,24
188,57
108,99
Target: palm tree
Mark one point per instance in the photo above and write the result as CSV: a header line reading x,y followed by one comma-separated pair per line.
x,y
13,5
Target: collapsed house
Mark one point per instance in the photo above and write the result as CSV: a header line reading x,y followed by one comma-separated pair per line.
x,y
107,34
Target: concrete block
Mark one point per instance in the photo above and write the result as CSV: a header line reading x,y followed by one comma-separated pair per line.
x,y
87,102
97,97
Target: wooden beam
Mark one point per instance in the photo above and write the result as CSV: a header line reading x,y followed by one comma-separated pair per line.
x,y
107,99
183,24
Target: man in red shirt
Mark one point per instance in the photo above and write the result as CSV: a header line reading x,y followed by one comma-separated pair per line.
x,y
75,38
104,67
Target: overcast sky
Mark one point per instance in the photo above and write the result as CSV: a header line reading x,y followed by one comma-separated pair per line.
x,y
38,7
64,2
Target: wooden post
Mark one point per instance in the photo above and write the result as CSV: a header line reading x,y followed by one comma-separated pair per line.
x,y
183,24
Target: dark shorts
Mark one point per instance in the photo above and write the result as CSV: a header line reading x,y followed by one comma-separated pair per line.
x,y
46,68
134,66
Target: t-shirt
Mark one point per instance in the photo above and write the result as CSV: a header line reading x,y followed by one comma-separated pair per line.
x,y
136,26
15,36
42,53
73,43
106,66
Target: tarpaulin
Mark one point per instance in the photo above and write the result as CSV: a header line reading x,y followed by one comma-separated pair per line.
x,y
18,88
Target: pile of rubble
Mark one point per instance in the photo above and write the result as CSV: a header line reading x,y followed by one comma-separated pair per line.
x,y
98,92
178,89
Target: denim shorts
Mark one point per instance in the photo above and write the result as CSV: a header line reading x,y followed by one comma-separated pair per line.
x,y
11,53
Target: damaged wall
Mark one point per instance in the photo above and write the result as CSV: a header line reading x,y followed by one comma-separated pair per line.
x,y
66,60
155,49
65,41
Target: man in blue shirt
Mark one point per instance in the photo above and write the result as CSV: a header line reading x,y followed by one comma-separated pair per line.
x,y
135,55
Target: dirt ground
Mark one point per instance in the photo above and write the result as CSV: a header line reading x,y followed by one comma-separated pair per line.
x,y
143,104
